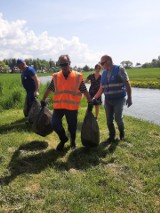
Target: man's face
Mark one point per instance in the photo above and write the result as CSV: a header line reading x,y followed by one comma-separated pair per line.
x,y
64,64
22,66
106,63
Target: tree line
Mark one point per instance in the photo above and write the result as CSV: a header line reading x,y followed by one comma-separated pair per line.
x,y
42,65
154,63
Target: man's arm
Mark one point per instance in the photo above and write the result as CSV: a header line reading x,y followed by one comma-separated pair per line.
x,y
48,90
46,94
129,93
37,82
99,93
87,95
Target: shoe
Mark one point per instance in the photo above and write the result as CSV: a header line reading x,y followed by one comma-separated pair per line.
x,y
111,139
60,146
122,138
73,147
121,135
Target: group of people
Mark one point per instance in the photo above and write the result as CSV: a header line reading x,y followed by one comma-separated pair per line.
x,y
68,86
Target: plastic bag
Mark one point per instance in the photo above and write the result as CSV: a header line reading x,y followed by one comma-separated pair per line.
x,y
90,131
43,124
34,110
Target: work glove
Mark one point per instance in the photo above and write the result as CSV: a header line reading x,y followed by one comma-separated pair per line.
x,y
129,102
43,104
90,106
95,102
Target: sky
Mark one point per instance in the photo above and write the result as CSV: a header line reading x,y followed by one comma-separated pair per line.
x,y
84,29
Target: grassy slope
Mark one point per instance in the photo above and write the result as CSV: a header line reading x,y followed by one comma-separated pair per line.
x,y
124,177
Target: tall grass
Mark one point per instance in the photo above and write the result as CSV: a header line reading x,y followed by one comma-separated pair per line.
x,y
12,92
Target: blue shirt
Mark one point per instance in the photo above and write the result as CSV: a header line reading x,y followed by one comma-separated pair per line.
x,y
27,80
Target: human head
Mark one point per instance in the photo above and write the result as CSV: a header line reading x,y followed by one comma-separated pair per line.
x,y
97,68
21,64
106,62
64,62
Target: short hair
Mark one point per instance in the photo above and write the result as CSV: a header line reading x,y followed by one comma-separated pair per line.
x,y
97,65
64,57
106,58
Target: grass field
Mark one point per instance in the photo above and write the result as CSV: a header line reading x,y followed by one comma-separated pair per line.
x,y
121,177
34,177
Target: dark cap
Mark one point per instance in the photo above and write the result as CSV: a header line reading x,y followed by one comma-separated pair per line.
x,y
20,61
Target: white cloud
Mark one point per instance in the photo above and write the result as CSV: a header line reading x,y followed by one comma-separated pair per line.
x,y
17,41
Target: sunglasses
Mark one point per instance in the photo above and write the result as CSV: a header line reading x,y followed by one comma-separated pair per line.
x,y
63,65
102,63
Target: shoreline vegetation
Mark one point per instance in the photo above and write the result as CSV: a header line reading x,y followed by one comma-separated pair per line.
x,y
34,177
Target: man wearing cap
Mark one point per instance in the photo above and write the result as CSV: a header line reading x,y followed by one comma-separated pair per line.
x,y
68,87
114,84
30,82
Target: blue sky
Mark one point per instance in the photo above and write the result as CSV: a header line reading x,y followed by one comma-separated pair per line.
x,y
86,30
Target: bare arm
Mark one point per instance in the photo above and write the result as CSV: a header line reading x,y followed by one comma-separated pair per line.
x,y
87,95
37,82
86,81
128,89
46,94
99,93
129,94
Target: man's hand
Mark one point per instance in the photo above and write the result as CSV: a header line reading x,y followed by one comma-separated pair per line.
x,y
129,102
36,94
95,101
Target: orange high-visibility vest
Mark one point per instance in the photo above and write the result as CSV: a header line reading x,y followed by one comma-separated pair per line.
x,y
67,94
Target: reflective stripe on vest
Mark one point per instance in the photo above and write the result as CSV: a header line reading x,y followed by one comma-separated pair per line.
x,y
67,94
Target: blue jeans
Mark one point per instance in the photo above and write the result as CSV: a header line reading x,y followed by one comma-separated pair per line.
x,y
114,110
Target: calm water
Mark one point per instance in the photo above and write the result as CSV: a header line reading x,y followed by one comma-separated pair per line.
x,y
146,103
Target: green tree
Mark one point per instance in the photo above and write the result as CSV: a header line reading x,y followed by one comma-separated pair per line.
x,y
3,67
86,68
127,64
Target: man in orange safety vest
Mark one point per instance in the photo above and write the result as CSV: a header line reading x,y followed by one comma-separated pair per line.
x,y
68,87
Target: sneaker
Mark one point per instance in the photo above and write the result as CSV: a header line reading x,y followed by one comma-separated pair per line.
x,y
121,135
122,138
73,147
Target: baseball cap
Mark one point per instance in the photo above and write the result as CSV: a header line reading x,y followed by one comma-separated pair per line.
x,y
20,61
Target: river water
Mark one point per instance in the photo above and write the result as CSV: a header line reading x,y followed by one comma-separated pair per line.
x,y
146,103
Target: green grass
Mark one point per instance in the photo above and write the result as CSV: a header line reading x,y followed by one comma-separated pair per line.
x,y
12,92
122,177
34,177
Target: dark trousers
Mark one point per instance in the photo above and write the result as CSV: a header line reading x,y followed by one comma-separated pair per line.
x,y
114,110
30,99
71,117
